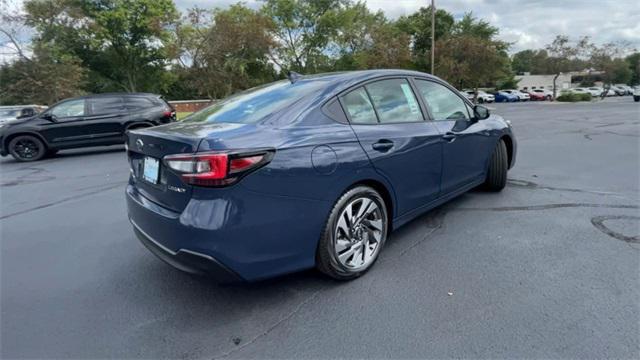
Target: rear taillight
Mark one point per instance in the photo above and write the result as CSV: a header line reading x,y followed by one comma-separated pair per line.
x,y
216,168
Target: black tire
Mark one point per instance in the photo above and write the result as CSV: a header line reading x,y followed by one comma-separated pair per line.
x,y
497,173
327,260
27,148
636,98
481,100
549,97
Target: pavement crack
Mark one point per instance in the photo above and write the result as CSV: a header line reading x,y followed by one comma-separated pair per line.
x,y
534,186
63,200
549,206
598,222
288,316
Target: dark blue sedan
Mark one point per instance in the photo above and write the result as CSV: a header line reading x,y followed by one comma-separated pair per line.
x,y
314,171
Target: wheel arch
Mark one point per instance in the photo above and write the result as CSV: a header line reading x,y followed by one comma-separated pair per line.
x,y
138,125
384,191
10,137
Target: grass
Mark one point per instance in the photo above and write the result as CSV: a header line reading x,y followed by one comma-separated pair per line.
x,y
182,115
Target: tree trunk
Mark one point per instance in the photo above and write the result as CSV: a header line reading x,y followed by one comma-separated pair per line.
x,y
555,86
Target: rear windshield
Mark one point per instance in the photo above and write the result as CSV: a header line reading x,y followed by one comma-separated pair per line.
x,y
255,104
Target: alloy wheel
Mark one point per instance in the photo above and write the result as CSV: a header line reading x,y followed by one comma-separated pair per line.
x,y
26,148
358,233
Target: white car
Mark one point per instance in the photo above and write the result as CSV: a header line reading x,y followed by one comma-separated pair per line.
x,y
598,91
585,91
521,96
628,88
483,97
636,93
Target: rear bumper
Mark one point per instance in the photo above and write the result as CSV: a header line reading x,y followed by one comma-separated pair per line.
x,y
186,260
238,234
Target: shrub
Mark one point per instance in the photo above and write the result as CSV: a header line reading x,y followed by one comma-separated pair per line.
x,y
572,97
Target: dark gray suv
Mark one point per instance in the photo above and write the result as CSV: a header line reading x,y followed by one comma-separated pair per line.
x,y
94,120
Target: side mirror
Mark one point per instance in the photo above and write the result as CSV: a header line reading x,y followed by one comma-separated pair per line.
x,y
480,112
49,117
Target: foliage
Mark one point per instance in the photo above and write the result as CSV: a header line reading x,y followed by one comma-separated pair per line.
x,y
573,97
146,45
224,51
471,56
633,61
418,26
43,79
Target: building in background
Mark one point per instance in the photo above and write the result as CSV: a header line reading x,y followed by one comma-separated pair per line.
x,y
531,82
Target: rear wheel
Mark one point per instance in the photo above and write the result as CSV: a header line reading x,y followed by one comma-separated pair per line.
x,y
354,234
27,148
497,173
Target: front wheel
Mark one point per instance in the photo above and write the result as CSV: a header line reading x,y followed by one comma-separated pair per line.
x,y
27,148
497,173
636,98
354,234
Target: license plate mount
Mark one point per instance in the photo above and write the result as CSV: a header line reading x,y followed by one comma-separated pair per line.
x,y
151,169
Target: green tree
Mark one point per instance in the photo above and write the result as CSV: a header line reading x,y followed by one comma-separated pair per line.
x,y
303,30
123,43
223,51
563,55
418,26
467,61
42,78
633,61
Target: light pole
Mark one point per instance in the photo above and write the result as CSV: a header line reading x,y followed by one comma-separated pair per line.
x,y
433,35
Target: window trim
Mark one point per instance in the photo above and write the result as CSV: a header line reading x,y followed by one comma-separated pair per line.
x,y
340,95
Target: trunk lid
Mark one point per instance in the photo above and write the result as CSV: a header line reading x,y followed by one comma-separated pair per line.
x,y
170,191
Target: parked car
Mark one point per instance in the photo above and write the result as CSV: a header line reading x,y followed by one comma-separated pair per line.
x,y
547,94
627,88
8,113
598,91
619,90
522,96
502,96
636,93
535,96
482,97
312,171
94,120
585,91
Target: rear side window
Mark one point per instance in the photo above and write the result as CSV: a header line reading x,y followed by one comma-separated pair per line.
x,y
359,107
105,105
138,102
443,103
394,101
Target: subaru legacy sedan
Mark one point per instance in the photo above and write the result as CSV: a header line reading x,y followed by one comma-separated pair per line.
x,y
314,171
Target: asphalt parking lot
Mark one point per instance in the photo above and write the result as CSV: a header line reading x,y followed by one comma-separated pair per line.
x,y
549,268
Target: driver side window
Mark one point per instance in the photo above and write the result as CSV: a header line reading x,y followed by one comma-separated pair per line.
x,y
69,109
444,104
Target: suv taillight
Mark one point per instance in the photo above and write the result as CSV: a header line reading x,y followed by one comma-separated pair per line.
x,y
217,168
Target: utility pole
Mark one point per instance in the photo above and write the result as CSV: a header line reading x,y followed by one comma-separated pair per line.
x,y
433,34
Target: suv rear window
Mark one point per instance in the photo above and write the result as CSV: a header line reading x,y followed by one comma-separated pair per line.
x,y
105,105
138,102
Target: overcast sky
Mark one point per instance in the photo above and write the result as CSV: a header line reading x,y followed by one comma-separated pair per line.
x,y
528,24
525,23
